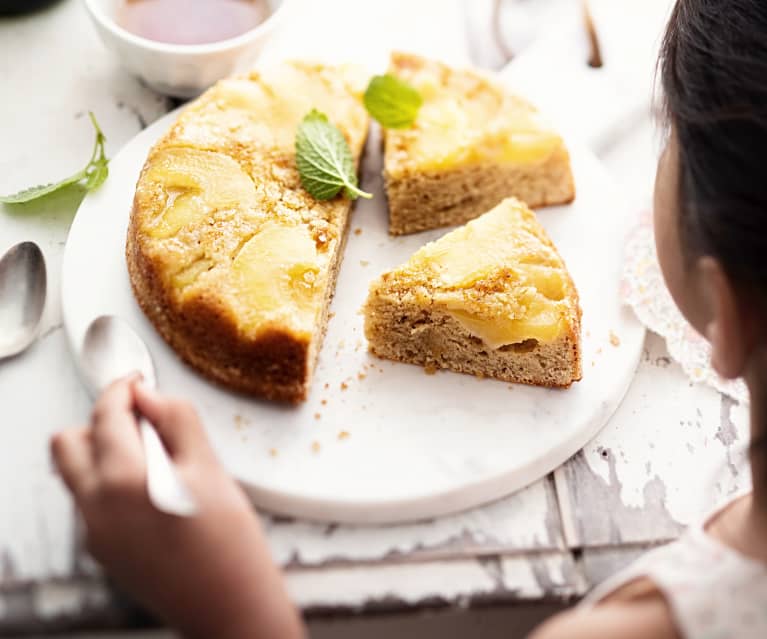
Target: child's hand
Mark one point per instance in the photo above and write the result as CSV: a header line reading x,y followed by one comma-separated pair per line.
x,y
209,575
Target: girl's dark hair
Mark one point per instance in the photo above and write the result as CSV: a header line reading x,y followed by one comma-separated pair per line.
x,y
714,76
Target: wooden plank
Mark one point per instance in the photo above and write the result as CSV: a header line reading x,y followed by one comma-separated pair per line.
x,y
545,576
672,450
528,520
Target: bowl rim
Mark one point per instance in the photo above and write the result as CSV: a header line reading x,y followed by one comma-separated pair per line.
x,y
110,24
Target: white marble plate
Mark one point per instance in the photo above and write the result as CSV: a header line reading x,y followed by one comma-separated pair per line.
x,y
413,445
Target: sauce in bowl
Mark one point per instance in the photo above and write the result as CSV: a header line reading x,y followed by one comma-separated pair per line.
x,y
191,21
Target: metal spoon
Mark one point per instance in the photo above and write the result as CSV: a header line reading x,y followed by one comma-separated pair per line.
x,y
111,350
22,297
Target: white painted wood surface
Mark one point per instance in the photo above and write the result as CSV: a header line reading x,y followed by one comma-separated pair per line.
x,y
52,70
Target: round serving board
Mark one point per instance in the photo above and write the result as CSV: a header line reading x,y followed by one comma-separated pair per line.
x,y
378,441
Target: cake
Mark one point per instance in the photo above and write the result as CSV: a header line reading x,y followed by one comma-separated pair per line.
x,y
229,257
492,298
472,144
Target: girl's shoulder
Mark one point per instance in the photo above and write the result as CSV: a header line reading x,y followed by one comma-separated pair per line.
x,y
644,614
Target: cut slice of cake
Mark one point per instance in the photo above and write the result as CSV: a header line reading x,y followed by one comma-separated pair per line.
x,y
472,145
492,298
229,257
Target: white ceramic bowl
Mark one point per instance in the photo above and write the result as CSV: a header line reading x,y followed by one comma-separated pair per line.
x,y
182,70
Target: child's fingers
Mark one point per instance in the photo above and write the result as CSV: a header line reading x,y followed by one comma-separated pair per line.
x,y
176,422
72,453
115,434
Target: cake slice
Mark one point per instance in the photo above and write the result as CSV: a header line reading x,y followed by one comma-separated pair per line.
x,y
229,257
472,145
492,298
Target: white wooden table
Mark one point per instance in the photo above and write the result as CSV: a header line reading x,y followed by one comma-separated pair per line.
x,y
654,469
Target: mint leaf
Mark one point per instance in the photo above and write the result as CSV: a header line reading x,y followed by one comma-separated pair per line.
x,y
36,192
392,102
93,174
324,159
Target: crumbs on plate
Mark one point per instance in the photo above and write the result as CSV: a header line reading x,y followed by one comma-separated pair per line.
x,y
344,435
614,339
240,422
315,447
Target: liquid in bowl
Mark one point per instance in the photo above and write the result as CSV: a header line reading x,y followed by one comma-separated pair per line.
x,y
191,21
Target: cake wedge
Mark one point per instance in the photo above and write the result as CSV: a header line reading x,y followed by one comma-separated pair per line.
x,y
473,143
492,298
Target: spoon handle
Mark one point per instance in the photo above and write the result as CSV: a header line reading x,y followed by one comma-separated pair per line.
x,y
166,490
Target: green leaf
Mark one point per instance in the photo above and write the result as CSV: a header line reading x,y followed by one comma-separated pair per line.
x,y
93,174
324,159
392,102
36,192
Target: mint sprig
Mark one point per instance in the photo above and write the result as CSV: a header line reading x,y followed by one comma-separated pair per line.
x,y
92,176
324,159
392,102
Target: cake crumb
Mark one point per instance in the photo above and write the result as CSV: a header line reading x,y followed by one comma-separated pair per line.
x,y
358,231
327,385
599,351
429,369
341,344
331,315
324,402
273,452
241,422
614,339
315,447
317,415
361,376
364,262
344,386
343,435
593,363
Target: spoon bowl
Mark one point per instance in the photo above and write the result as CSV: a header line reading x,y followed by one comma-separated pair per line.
x,y
112,350
23,285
